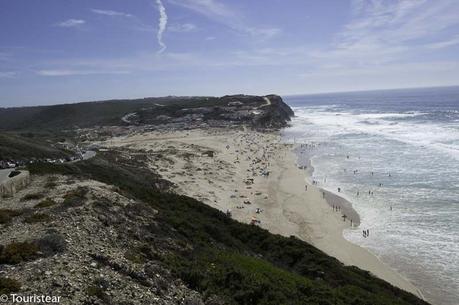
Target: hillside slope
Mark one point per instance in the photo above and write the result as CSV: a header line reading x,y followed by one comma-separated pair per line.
x,y
269,111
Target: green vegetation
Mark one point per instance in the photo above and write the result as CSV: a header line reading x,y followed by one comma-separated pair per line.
x,y
7,215
240,263
45,203
51,182
8,285
88,114
17,252
75,198
32,196
140,254
147,111
16,146
37,217
98,290
133,256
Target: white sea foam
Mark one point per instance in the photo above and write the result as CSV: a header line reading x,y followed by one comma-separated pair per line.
x,y
443,138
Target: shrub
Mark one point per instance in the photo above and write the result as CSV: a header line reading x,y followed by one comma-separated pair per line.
x,y
50,185
134,257
76,197
51,244
37,217
51,182
45,203
97,289
7,215
8,285
33,196
17,252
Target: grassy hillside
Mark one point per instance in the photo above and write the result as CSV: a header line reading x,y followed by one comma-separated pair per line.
x,y
81,115
25,146
241,264
155,111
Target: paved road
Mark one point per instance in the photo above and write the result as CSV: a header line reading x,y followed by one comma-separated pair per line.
x,y
4,174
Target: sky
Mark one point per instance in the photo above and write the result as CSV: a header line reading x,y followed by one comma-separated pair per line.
x,y
60,51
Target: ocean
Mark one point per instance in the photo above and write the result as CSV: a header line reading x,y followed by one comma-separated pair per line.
x,y
395,155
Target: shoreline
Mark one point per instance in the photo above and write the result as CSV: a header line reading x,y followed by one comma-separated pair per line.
x,y
234,180
346,207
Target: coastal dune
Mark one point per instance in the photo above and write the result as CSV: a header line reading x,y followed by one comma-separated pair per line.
x,y
254,177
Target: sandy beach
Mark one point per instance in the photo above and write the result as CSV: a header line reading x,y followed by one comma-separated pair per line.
x,y
254,176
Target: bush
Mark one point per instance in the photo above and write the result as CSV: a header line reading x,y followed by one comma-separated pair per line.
x,y
8,285
17,252
97,289
33,196
76,197
37,217
51,244
51,182
134,257
45,203
7,215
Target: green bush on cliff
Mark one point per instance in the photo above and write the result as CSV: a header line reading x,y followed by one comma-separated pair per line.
x,y
32,196
7,215
36,218
17,252
8,285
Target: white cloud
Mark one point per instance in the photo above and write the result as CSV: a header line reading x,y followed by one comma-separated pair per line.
x,y
7,74
223,14
382,23
67,72
110,13
445,43
71,23
185,27
162,26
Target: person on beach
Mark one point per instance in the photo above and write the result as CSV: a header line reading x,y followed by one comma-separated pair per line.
x,y
364,233
368,232
323,194
306,187
339,190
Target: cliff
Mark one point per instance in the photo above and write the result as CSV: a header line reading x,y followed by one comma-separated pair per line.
x,y
190,112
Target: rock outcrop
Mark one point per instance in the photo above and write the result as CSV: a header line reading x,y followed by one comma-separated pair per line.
x,y
11,185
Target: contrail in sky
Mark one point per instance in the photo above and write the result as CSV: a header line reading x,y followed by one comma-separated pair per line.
x,y
162,26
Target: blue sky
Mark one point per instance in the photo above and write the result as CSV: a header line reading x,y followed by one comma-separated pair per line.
x,y
55,51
